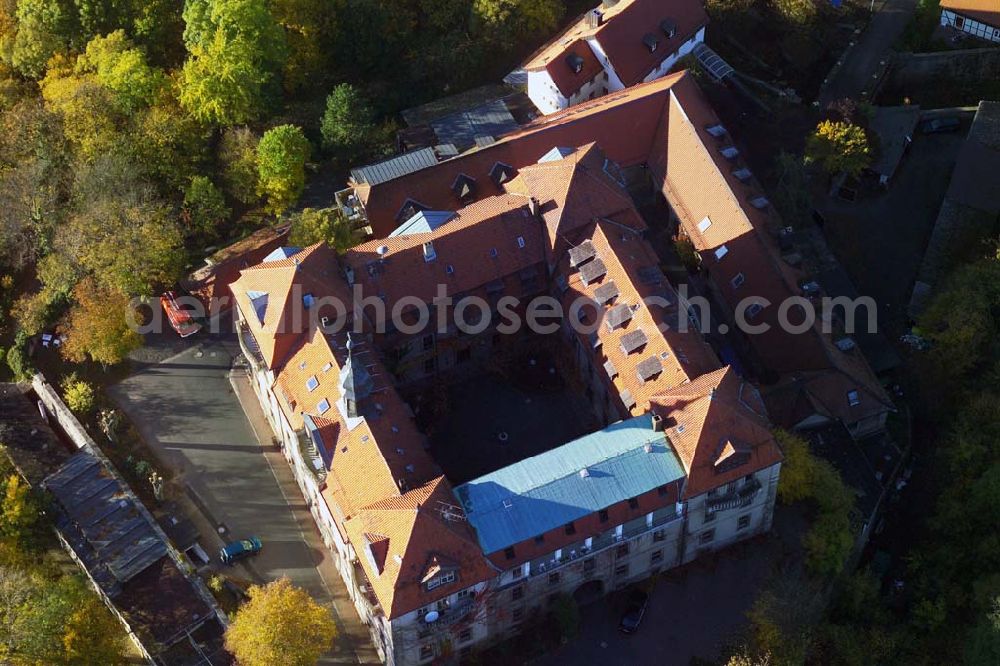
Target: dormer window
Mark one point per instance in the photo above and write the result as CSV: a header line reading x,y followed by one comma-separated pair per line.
x,y
668,27
575,63
651,41
464,187
444,578
429,253
501,173
409,209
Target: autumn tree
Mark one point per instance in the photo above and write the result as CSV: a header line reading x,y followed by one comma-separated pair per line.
x,y
797,12
122,68
98,326
236,51
78,395
281,161
839,146
324,225
519,18
796,469
18,511
280,624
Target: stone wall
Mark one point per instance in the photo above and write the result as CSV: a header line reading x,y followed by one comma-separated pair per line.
x,y
913,72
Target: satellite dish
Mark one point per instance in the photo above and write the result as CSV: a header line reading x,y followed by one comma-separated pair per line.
x,y
431,617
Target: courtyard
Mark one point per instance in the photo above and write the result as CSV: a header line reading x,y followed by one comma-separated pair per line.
x,y
509,412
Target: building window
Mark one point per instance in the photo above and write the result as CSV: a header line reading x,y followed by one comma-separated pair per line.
x,y
853,398
588,565
466,594
720,252
621,570
465,636
959,21
554,578
707,536
443,579
517,593
540,539
633,503
509,552
570,528
517,614
662,490
656,557
737,281
709,516
602,515
426,652
659,535
743,522
622,550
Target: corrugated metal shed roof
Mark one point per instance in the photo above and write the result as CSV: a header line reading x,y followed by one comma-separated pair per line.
x,y
547,491
106,517
395,167
467,128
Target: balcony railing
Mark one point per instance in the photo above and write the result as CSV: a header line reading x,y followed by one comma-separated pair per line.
x,y
743,497
249,344
598,543
311,457
448,616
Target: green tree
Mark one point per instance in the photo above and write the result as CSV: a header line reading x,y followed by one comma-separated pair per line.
x,y
797,469
567,615
122,68
204,207
324,225
169,144
281,160
346,125
238,161
78,394
91,116
982,648
280,624
839,146
799,12
18,511
98,326
43,29
236,53
519,18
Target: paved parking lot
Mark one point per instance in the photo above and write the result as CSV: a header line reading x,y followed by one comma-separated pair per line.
x,y
186,409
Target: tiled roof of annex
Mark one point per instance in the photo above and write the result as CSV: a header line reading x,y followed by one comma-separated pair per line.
x,y
621,32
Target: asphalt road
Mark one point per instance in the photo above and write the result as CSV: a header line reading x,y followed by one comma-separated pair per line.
x,y
873,46
186,410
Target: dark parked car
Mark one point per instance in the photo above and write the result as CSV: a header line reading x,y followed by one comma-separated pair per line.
x,y
633,614
238,550
942,124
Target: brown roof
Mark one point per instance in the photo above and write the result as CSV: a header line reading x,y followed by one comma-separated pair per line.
x,y
987,11
621,36
623,124
561,69
404,541
633,266
717,414
213,281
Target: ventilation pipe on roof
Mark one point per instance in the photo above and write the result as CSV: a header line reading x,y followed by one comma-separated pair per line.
x,y
533,206
595,18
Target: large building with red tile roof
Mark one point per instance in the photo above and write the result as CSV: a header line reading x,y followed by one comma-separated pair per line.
x,y
685,461
616,45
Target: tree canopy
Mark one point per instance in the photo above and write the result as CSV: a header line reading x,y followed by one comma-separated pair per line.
x,y
325,225
839,146
281,160
280,624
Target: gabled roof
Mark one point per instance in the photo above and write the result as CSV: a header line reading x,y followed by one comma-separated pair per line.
x,y
281,253
706,417
576,67
621,35
413,536
546,491
624,124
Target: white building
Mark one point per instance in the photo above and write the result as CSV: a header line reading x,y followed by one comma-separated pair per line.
x,y
979,18
619,44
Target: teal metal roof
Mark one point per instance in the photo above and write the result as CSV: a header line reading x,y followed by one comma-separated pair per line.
x,y
423,222
555,154
547,491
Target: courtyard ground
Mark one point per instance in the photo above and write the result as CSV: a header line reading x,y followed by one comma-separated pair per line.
x,y
536,415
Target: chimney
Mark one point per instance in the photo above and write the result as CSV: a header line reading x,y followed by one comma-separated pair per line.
x,y
657,423
595,18
533,206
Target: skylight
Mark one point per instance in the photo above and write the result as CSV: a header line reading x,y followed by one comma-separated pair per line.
x,y
853,398
312,383
720,252
323,407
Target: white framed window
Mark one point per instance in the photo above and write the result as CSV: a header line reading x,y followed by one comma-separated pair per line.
x,y
520,241
720,252
443,579
312,383
704,224
738,280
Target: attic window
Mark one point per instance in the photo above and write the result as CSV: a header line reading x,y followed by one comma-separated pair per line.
x,y
575,63
651,41
759,203
312,383
501,173
743,174
509,552
729,152
520,241
716,130
464,187
704,224
323,407
754,310
327,366
853,398
570,528
449,269
409,209
442,579
720,252
668,27
494,253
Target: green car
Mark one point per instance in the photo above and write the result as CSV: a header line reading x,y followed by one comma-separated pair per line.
x,y
238,550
